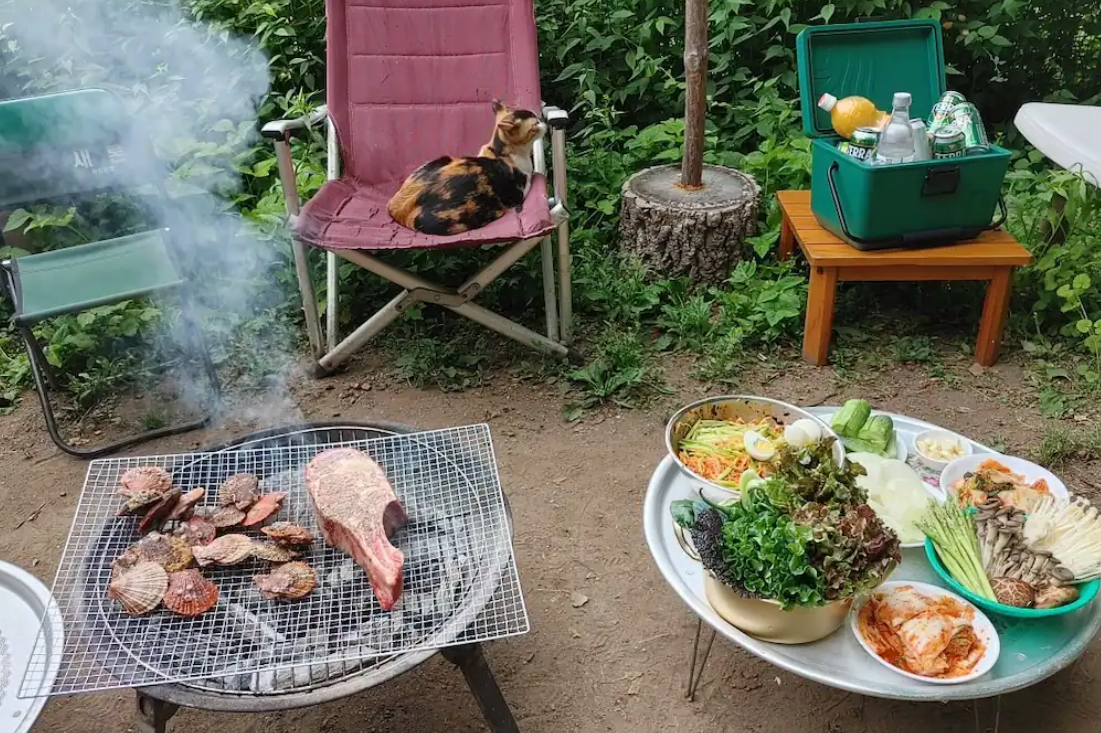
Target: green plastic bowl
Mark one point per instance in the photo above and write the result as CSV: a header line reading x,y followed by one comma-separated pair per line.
x,y
1086,593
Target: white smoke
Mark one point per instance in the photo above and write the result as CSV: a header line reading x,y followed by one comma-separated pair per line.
x,y
194,90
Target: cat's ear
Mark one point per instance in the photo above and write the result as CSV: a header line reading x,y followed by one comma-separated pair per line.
x,y
498,106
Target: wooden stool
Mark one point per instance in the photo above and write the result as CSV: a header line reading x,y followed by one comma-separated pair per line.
x,y
991,257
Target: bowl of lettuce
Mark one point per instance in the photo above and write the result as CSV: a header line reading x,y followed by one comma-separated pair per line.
x,y
784,562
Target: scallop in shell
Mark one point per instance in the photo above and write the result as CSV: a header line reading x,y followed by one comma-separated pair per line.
x,y
159,511
267,506
139,589
230,549
287,582
286,533
130,557
140,500
226,517
197,531
150,479
189,593
272,552
186,503
171,553
239,490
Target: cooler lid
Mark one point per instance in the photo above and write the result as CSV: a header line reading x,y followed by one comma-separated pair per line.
x,y
871,60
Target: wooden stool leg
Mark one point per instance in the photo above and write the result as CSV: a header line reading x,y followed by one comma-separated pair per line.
x,y
787,238
994,313
819,323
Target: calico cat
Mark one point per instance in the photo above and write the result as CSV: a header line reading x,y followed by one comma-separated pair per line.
x,y
451,195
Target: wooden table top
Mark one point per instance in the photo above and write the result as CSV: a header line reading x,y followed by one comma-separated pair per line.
x,y
991,248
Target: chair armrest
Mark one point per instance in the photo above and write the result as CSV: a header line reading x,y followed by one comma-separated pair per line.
x,y
557,119
282,129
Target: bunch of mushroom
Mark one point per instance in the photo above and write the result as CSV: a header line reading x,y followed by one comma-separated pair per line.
x,y
1020,577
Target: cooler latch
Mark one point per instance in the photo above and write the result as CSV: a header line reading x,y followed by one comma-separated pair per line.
x,y
941,181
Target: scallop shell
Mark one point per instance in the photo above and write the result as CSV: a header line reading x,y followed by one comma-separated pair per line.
x,y
197,531
159,511
230,549
226,517
144,479
189,593
171,553
239,490
287,582
139,589
272,552
140,500
267,506
186,503
286,533
130,557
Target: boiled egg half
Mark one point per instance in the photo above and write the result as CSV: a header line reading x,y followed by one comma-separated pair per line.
x,y
758,446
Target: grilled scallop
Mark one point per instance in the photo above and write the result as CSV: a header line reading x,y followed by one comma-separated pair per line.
x,y
286,533
272,552
139,589
239,490
266,507
144,479
197,531
156,514
187,502
226,517
230,549
189,593
287,582
171,553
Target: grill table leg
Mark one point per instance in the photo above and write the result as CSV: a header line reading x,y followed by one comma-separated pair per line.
x,y
479,677
153,714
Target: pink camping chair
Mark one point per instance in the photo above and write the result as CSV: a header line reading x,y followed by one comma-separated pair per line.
x,y
408,81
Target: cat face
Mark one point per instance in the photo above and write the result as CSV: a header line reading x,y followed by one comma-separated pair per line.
x,y
518,127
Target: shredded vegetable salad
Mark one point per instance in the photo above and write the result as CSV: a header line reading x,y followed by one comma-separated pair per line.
x,y
715,449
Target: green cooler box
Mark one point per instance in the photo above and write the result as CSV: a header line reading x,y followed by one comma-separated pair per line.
x,y
919,204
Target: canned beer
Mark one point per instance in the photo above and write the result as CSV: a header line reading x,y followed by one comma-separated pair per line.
x,y
942,110
922,148
862,145
966,117
949,142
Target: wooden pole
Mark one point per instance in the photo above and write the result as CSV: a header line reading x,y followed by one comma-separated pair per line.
x,y
695,98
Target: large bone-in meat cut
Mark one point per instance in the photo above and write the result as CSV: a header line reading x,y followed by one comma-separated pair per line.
x,y
359,512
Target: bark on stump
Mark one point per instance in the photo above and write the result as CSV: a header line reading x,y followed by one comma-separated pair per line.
x,y
676,232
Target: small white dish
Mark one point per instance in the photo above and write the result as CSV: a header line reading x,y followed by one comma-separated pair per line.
x,y
958,468
982,626
943,436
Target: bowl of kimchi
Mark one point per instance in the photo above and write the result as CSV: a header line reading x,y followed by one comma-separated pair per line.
x,y
1013,481
707,439
926,633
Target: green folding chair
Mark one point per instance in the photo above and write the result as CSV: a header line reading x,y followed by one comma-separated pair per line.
x,y
70,145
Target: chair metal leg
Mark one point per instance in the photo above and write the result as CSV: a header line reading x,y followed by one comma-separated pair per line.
x,y
549,291
332,301
479,677
565,290
309,298
35,352
370,328
42,384
508,328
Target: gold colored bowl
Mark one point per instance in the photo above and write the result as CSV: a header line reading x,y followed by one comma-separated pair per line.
x,y
767,621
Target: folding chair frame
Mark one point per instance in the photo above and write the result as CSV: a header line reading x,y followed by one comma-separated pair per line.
x,y
45,379
330,353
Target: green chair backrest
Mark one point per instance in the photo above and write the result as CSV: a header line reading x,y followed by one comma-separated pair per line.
x,y
71,143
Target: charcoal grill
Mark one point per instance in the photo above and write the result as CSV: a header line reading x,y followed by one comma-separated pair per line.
x,y
461,585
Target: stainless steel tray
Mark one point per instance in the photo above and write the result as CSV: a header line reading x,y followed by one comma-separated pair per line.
x,y
1032,649
25,605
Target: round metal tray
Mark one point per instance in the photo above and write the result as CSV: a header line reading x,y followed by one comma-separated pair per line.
x,y
1032,649
25,604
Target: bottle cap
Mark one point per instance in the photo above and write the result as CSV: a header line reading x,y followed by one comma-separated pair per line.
x,y
903,99
827,101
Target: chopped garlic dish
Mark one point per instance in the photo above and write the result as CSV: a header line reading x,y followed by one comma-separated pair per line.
x,y
940,449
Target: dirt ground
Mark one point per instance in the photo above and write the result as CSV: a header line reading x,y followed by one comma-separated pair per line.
x,y
619,662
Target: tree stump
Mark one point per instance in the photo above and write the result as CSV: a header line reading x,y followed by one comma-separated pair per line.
x,y
678,232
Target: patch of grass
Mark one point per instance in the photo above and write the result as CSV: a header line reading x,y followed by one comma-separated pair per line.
x,y
152,420
623,372
914,350
1061,444
450,363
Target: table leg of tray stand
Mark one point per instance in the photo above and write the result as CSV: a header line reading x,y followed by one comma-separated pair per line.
x,y
479,678
153,714
695,674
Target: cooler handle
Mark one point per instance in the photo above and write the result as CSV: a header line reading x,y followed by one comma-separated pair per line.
x,y
928,238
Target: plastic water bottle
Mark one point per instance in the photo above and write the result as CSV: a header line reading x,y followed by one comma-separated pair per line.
x,y
896,143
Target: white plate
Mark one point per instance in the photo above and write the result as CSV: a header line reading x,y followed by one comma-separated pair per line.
x,y
24,601
981,625
933,463
955,471
899,446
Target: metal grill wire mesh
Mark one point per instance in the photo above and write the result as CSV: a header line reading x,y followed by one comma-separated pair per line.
x,y
458,555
